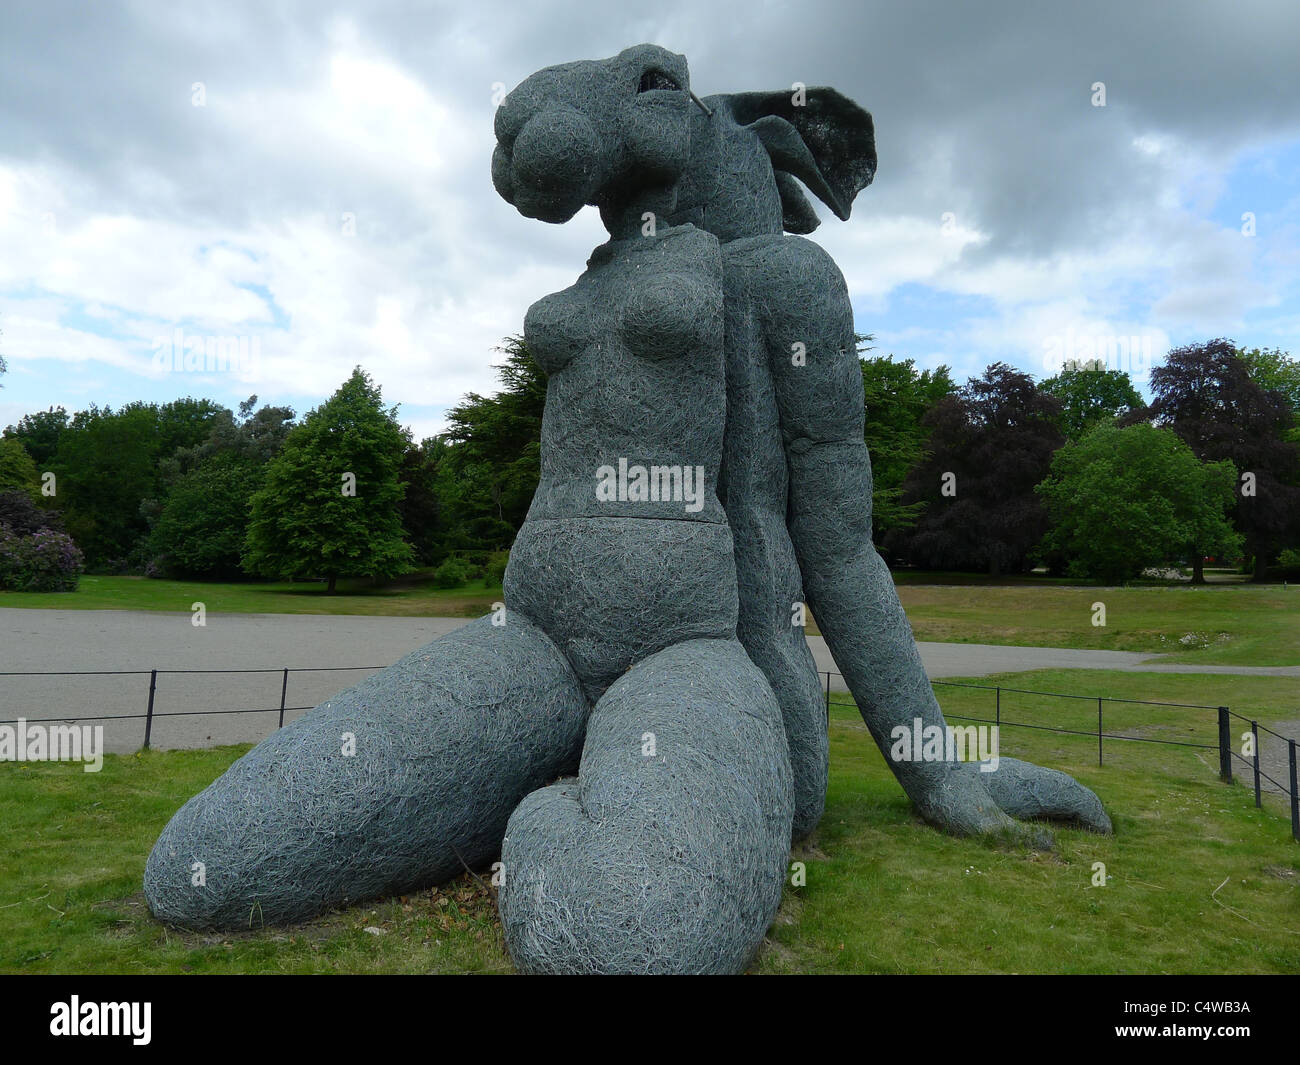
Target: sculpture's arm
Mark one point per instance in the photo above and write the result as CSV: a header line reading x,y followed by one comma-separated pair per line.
x,y
808,323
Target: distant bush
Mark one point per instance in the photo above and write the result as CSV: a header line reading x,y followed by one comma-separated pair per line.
x,y
452,573
495,571
23,517
42,561
1288,565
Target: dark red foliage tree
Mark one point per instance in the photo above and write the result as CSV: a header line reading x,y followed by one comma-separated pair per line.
x,y
989,446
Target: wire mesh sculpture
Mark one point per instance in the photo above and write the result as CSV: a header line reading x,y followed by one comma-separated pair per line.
x,y
704,475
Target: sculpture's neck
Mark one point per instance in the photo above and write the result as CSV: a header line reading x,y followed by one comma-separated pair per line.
x,y
727,187
640,213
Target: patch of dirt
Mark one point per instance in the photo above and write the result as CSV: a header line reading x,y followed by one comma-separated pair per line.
x,y
459,905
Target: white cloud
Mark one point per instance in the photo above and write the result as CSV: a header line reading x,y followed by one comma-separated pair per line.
x,y
147,214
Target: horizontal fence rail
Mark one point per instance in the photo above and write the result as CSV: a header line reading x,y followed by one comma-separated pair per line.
x,y
151,713
1223,722
1223,727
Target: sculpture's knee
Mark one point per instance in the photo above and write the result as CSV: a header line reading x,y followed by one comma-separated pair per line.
x,y
669,854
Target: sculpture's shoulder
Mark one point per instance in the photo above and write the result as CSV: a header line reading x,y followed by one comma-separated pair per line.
x,y
664,246
787,276
774,252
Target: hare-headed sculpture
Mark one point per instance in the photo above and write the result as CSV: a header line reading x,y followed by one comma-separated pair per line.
x,y
703,474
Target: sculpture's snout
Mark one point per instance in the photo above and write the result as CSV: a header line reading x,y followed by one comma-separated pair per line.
x,y
552,167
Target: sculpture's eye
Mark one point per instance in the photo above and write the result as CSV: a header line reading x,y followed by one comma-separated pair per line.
x,y
657,79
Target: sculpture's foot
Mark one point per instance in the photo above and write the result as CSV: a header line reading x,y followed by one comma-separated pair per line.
x,y
387,787
668,854
1033,793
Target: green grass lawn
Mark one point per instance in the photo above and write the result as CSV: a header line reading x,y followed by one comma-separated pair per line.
x,y
1226,624
410,597
1270,700
1198,880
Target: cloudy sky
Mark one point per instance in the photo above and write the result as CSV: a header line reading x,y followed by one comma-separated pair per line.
x,y
314,178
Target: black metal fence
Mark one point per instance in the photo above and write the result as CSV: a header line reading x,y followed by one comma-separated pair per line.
x,y
1223,723
151,713
1224,745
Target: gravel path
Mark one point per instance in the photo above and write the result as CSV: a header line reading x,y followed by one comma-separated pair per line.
x,y
52,640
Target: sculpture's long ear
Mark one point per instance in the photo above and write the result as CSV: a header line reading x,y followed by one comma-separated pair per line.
x,y
819,136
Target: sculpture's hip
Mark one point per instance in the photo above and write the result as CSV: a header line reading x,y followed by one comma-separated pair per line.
x,y
612,591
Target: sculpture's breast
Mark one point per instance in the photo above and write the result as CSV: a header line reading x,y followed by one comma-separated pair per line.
x,y
559,327
661,300
670,314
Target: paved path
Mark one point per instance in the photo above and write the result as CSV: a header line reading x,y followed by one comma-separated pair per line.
x,y
976,659
50,640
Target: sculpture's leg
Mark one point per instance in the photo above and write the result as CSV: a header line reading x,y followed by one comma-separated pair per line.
x,y
388,787
668,853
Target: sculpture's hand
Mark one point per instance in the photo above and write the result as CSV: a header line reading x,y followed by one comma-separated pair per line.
x,y
1031,792
970,802
857,610
958,802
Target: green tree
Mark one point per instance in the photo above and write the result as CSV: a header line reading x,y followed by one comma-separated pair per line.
x,y
1090,396
1275,371
1122,500
1205,394
330,503
254,433
897,398
202,524
109,467
423,512
201,520
105,467
488,476
17,470
39,433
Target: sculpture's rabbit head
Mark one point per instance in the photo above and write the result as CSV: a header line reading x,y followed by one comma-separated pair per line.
x,y
593,132
626,135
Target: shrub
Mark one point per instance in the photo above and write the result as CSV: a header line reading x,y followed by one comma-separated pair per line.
x,y
452,573
495,571
44,561
23,516
1288,564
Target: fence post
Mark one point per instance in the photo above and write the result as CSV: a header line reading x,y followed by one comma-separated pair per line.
x,y
997,710
828,697
1295,794
284,687
1225,746
148,714
1254,732
1099,698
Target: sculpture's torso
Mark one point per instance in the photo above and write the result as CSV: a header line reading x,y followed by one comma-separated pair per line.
x,y
626,549
657,360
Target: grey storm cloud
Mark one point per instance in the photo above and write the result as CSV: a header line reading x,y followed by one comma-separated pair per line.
x,y
981,109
